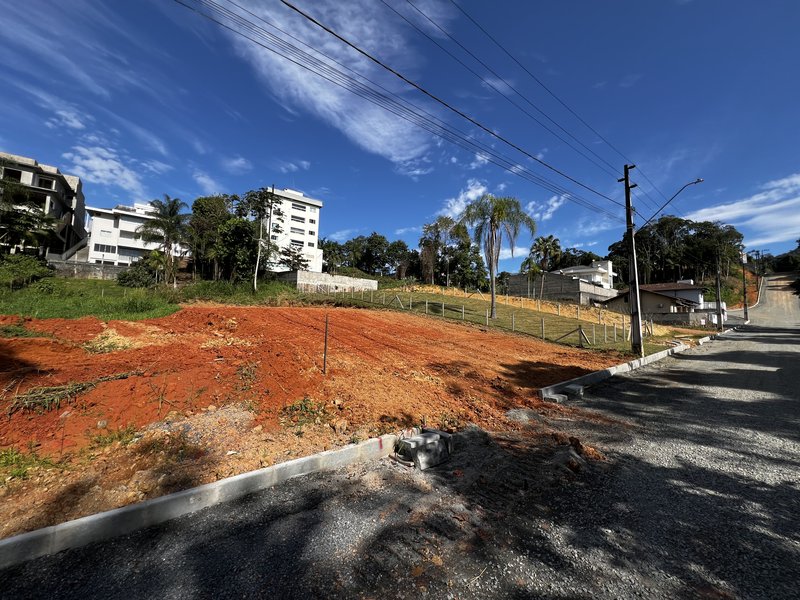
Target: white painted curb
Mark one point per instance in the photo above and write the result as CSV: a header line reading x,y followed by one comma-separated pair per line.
x,y
112,523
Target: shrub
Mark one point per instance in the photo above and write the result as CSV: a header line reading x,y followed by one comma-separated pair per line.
x,y
18,270
138,275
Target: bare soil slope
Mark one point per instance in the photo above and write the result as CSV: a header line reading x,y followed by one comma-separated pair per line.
x,y
212,391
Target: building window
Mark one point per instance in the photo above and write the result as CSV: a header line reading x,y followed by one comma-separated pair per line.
x,y
105,232
313,208
297,243
298,230
12,174
299,207
46,183
312,232
274,237
311,244
312,221
298,219
105,248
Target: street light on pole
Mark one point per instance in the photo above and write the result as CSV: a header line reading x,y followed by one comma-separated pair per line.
x,y
675,195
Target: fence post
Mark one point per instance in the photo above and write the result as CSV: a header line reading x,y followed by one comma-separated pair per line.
x,y
578,311
615,333
513,325
370,297
594,339
383,298
462,312
487,317
426,307
605,333
580,335
410,301
325,351
539,304
542,327
558,307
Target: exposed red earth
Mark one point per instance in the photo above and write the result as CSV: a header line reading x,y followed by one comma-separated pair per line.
x,y
207,391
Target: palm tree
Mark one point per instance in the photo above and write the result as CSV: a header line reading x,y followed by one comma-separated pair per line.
x,y
531,268
490,217
168,227
545,250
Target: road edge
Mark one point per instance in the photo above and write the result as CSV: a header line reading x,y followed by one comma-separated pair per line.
x,y
577,383
113,523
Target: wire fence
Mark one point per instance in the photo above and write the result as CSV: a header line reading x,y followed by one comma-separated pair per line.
x,y
568,324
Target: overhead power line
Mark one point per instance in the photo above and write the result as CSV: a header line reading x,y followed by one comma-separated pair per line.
x,y
445,103
609,168
554,95
389,101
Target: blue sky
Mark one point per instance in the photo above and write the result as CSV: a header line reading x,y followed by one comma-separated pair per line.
x,y
146,98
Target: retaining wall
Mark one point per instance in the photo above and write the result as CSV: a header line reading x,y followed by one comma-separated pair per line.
x,y
308,281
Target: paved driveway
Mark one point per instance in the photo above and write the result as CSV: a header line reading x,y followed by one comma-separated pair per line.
x,y
700,498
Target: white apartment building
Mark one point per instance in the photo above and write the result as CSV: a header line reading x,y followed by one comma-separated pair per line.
x,y
298,226
113,238
60,196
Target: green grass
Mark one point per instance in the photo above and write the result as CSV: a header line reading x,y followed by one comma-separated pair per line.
x,y
16,464
525,321
74,298
18,330
123,435
269,293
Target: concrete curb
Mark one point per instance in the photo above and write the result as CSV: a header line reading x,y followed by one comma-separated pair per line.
x,y
112,523
597,376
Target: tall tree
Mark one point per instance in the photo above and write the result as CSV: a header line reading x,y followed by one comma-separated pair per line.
x,y
209,213
168,227
332,255
545,250
490,218
262,204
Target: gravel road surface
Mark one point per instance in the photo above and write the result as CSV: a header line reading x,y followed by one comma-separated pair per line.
x,y
699,498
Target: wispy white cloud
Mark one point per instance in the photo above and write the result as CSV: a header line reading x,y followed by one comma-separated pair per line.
x,y
104,166
236,165
480,160
294,166
156,166
544,211
365,124
768,216
519,251
405,230
453,207
206,182
64,114
341,235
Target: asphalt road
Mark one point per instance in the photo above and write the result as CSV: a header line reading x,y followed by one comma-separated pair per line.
x,y
699,498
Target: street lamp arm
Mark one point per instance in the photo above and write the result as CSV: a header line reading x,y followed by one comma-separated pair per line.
x,y
663,206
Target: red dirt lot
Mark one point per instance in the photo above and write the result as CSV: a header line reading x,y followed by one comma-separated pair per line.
x,y
207,390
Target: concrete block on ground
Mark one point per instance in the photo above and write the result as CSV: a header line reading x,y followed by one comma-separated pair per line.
x,y
553,397
428,449
574,391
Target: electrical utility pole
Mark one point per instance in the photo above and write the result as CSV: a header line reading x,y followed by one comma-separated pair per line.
x,y
719,294
633,269
744,286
